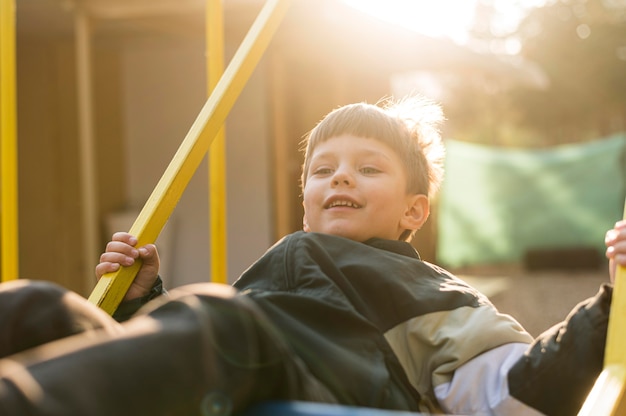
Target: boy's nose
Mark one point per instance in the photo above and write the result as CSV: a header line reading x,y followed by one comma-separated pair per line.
x,y
342,178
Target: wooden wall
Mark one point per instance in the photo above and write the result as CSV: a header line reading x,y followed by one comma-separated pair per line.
x,y
48,162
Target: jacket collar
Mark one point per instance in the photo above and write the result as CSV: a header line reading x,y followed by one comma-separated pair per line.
x,y
395,246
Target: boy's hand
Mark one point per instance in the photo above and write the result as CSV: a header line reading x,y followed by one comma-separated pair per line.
x,y
121,251
615,241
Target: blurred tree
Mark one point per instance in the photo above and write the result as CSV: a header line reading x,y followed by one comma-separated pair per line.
x,y
580,45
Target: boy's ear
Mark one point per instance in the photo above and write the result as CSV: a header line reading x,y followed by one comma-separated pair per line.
x,y
417,212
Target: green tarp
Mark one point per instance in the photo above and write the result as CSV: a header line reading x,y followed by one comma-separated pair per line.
x,y
496,204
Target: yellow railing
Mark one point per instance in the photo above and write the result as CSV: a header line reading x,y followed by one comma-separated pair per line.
x,y
112,287
607,395
8,145
218,219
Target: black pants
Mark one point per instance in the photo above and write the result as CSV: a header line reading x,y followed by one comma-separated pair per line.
x,y
203,350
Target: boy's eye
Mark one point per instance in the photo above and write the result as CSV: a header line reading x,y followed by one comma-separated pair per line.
x,y
369,170
322,171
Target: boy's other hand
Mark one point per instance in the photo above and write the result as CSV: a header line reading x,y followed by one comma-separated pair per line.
x,y
121,251
615,241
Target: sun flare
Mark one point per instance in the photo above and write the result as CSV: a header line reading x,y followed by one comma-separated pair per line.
x,y
443,18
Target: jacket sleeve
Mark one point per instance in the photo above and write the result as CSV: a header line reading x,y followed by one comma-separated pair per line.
x,y
489,370
431,348
559,369
128,308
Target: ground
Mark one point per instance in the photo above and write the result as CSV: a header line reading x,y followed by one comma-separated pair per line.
x,y
536,299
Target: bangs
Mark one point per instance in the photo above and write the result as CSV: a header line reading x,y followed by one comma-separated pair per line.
x,y
359,120
373,122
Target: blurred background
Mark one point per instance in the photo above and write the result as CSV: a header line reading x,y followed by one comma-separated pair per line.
x,y
534,93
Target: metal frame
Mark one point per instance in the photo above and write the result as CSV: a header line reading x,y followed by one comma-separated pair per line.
x,y
218,218
112,287
9,240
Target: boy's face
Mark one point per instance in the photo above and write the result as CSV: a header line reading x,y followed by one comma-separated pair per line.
x,y
357,188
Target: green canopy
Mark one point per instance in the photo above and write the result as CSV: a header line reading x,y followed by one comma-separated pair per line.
x,y
498,203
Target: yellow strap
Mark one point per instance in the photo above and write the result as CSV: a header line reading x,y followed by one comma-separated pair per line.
x,y
112,287
607,395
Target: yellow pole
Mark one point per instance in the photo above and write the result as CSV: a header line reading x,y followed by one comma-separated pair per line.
x,y
112,287
607,395
86,136
8,147
217,152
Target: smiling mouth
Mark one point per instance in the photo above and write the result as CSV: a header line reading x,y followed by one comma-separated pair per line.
x,y
340,203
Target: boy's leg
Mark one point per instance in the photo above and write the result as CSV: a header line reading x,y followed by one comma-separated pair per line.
x,y
206,351
36,312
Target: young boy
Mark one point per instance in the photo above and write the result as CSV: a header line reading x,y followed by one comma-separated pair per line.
x,y
343,312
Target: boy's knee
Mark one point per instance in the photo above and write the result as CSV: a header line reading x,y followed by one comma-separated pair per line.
x,y
246,350
214,290
36,312
219,310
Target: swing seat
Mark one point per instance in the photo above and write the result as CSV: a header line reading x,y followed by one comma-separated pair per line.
x,y
298,408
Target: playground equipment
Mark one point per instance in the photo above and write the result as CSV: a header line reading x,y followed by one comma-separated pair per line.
x,y
112,287
606,398
8,144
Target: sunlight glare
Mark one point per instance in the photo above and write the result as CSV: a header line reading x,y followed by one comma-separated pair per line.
x,y
441,18
452,19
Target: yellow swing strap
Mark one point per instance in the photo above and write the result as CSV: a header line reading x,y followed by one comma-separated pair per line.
x,y
112,287
607,396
